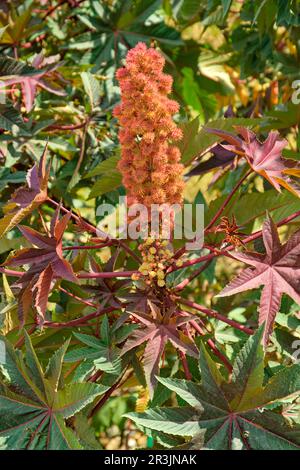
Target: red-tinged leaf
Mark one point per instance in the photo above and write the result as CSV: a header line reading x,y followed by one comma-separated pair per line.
x,y
265,158
62,269
221,158
152,355
270,301
24,304
278,270
43,286
27,198
29,84
185,346
139,337
46,264
30,256
228,136
159,328
60,226
37,238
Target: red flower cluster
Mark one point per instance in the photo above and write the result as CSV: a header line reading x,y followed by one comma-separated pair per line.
x,y
150,164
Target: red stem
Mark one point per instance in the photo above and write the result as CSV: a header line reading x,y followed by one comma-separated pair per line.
x,y
186,281
212,346
86,302
186,369
78,321
107,395
10,272
21,341
88,247
247,239
107,275
69,127
218,316
227,200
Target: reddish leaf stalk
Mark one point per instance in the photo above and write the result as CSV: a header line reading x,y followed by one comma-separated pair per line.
x,y
86,302
187,373
212,346
11,272
108,394
227,200
89,247
78,321
107,275
218,316
21,341
69,127
186,281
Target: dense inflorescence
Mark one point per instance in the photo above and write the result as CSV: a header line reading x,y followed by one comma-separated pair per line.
x,y
150,163
158,257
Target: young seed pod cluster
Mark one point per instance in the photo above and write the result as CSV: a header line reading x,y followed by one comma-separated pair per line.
x,y
157,258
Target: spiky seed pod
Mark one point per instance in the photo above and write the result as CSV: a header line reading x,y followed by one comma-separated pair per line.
x,y
150,163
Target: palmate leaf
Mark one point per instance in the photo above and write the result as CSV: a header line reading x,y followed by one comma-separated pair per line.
x,y
114,28
34,404
264,158
10,66
278,270
158,329
92,88
102,353
46,264
11,119
233,414
110,176
30,83
97,353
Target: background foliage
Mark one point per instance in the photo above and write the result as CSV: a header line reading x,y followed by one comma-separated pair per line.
x,y
233,63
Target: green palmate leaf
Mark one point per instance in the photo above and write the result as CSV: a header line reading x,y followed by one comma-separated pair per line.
x,y
10,66
123,24
6,177
189,9
97,352
34,404
195,97
11,119
85,433
250,206
226,4
233,414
